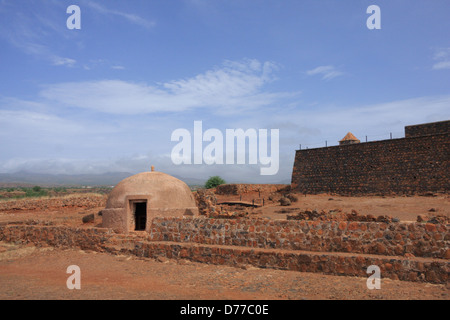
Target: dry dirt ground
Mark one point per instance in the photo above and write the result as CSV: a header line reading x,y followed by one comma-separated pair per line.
x,y
404,208
27,272
40,273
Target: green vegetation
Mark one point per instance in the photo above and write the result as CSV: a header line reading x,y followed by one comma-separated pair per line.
x,y
37,191
214,182
60,190
34,192
22,192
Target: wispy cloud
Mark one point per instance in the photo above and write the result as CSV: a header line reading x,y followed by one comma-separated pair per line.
x,y
307,127
132,18
327,72
311,127
233,87
58,61
442,58
32,32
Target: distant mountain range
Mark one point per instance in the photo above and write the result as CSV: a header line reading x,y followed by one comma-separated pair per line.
x,y
27,179
24,178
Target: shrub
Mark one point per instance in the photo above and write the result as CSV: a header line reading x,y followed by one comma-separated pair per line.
x,y
285,201
214,182
292,197
35,192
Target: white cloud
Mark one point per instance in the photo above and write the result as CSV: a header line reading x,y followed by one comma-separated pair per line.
x,y
25,122
442,58
30,32
37,123
133,18
442,53
441,65
327,72
312,127
93,146
59,61
232,87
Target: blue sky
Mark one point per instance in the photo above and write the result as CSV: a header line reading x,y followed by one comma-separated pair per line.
x,y
108,96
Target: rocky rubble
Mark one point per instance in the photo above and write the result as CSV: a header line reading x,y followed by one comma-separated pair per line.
x,y
80,201
438,219
339,215
207,205
206,202
236,189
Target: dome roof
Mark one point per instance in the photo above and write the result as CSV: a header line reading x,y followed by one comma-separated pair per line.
x,y
163,190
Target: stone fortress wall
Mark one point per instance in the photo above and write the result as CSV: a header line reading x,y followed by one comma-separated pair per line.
x,y
418,163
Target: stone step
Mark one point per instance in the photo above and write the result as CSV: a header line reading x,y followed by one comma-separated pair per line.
x,y
334,263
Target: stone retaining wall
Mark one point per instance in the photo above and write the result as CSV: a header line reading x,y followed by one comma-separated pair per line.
x,y
346,265
81,201
236,189
140,244
56,236
421,240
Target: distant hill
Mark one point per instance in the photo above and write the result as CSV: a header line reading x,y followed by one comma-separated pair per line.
x,y
192,181
29,179
24,178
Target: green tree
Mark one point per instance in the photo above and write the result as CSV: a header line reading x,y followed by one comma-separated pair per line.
x,y
214,182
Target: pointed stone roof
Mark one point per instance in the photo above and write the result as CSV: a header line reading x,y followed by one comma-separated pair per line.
x,y
349,137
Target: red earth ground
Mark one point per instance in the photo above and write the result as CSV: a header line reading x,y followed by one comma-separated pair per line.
x,y
32,273
27,272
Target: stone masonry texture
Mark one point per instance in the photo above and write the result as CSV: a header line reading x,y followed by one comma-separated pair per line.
x,y
427,129
212,241
396,239
418,163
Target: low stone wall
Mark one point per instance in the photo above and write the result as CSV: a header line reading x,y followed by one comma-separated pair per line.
x,y
236,189
344,264
56,236
141,245
81,201
396,239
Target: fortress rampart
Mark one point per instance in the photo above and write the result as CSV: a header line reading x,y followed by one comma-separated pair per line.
x,y
418,163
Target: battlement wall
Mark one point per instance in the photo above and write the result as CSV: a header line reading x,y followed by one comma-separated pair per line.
x,y
416,164
427,129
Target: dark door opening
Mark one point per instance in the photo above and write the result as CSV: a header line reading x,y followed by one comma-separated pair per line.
x,y
140,216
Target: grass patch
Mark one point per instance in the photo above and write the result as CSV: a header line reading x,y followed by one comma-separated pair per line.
x,y
18,193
